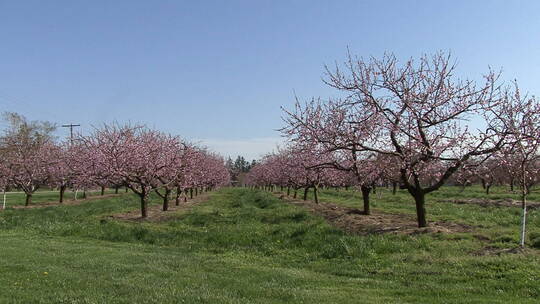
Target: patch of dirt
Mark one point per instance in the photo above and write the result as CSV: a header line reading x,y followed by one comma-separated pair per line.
x,y
354,221
70,202
484,202
155,213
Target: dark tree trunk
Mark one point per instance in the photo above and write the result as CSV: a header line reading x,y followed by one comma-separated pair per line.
x,y
487,188
305,193
483,183
102,190
315,195
512,185
62,191
420,200
365,198
196,191
394,188
116,189
191,193
177,199
374,187
127,189
166,199
288,191
28,199
84,194
347,188
295,191
144,213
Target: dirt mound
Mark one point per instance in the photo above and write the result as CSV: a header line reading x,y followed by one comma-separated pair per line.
x,y
66,202
484,202
155,213
353,221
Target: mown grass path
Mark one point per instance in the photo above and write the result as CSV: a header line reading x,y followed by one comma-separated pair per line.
x,y
242,246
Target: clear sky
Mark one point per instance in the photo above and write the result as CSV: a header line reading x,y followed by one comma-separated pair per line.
x,y
218,71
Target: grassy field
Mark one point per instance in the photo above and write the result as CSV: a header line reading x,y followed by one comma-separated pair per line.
x,y
16,198
501,225
247,246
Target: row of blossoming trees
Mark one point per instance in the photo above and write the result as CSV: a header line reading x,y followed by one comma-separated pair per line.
x,y
134,157
415,124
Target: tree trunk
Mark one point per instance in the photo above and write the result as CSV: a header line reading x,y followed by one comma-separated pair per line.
x,y
288,191
191,193
394,188
166,200
84,194
420,199
144,213
365,198
315,195
512,185
487,188
305,193
62,190
483,183
196,191
102,190
178,192
127,189
295,191
28,199
116,189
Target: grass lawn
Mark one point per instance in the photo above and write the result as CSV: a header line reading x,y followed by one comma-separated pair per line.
x,y
246,246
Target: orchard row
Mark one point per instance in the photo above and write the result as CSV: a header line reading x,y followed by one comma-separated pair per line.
x,y
414,124
134,157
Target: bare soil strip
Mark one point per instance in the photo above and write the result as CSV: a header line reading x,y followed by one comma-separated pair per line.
x,y
70,202
155,213
484,202
352,221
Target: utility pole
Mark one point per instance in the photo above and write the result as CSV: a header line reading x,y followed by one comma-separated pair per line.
x,y
70,126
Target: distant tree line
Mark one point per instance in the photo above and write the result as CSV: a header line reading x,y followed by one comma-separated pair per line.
x,y
239,166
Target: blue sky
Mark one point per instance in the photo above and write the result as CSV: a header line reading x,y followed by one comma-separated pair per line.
x,y
218,71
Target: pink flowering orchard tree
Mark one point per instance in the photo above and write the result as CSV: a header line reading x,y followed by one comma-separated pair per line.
x,y
29,168
61,171
418,112
337,130
136,155
522,115
27,153
84,165
172,154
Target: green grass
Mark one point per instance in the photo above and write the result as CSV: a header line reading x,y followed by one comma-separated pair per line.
x,y
246,246
47,196
500,224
